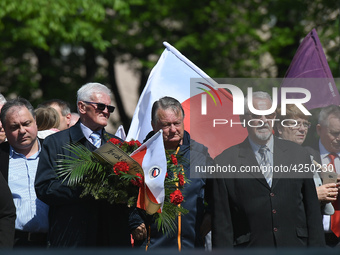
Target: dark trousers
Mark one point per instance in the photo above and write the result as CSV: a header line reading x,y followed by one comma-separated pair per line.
x,y
27,239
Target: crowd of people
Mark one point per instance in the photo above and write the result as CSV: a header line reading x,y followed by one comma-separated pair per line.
x,y
239,209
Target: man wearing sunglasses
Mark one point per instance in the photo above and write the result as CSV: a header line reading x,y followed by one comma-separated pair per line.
x,y
263,207
75,221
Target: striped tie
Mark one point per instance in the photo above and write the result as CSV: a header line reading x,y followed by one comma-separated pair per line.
x,y
96,141
265,164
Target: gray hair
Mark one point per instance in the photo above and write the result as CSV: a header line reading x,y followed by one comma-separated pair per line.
x,y
258,95
18,102
326,112
64,106
86,92
165,103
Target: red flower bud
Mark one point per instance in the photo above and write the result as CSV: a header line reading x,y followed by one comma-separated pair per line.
x,y
138,181
115,141
174,159
121,166
181,179
176,197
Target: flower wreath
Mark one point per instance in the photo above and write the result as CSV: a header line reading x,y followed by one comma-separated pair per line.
x,y
118,183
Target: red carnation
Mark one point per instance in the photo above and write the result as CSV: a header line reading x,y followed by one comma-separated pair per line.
x,y
176,197
121,166
166,175
132,143
174,159
181,179
114,141
138,181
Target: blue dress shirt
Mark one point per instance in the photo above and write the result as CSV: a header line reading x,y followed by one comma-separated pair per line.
x,y
32,214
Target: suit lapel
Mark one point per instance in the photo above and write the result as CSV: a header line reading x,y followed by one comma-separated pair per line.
x,y
4,159
247,159
279,159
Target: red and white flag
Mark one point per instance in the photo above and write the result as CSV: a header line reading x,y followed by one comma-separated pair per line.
x,y
151,156
171,77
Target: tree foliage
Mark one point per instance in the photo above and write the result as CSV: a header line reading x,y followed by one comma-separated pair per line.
x,y
48,49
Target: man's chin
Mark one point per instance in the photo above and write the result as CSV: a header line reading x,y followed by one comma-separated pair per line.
x,y
103,123
174,140
263,135
336,149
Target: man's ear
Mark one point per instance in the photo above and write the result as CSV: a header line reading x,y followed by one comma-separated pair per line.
x,y
318,129
279,129
81,107
68,119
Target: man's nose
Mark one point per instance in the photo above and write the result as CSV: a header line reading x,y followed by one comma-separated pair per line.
x,y
22,130
172,128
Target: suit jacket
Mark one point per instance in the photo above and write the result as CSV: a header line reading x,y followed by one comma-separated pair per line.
x,y
7,215
75,221
249,213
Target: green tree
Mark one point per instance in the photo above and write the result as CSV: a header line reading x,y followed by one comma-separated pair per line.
x,y
49,48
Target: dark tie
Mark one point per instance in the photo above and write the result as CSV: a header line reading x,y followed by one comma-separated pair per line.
x,y
265,164
96,140
335,218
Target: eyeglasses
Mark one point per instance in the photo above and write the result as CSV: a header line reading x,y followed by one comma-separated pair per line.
x,y
101,107
299,124
255,116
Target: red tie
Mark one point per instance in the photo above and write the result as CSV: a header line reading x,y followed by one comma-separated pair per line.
x,y
335,218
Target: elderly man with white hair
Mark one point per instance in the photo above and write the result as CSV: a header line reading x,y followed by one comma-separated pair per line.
x,y
75,221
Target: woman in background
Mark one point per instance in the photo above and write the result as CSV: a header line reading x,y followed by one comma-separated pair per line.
x,y
47,119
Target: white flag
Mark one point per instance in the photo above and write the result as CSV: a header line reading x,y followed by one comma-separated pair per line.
x,y
170,77
151,156
121,133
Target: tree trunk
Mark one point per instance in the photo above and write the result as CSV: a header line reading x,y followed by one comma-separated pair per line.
x,y
115,90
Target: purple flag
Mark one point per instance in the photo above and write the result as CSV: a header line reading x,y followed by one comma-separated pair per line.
x,y
310,62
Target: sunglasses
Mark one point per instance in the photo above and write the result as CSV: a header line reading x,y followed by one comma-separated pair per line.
x,y
101,107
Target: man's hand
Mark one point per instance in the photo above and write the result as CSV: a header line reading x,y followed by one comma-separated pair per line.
x,y
327,192
140,232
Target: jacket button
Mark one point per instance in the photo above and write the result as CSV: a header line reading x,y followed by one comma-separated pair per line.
x,y
273,211
271,194
275,229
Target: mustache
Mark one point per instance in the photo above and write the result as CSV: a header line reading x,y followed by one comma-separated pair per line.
x,y
265,125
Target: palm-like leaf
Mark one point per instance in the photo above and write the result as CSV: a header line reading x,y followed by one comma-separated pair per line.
x,y
75,168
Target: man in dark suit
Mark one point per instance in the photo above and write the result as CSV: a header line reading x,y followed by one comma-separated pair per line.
x,y
327,152
19,157
259,204
75,221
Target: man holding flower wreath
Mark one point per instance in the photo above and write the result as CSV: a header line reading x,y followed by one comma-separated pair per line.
x,y
80,221
168,114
